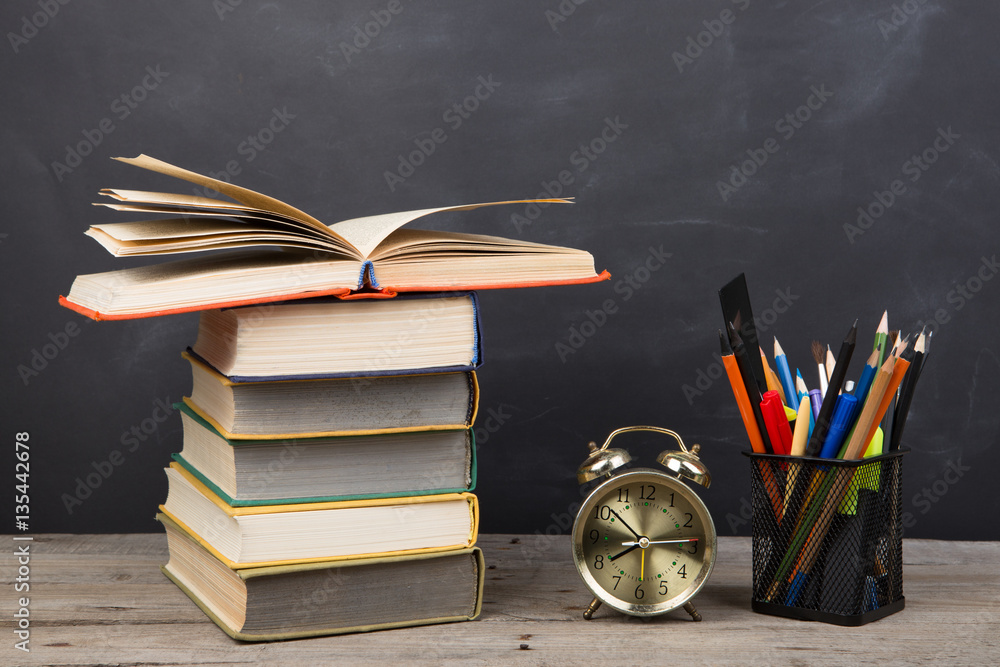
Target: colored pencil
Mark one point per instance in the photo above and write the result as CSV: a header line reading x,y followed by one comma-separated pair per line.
x,y
906,392
836,382
773,383
785,374
753,394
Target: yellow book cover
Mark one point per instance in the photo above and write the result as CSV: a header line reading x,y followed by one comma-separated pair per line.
x,y
243,537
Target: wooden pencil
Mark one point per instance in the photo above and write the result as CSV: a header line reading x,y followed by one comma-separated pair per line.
x,y
860,439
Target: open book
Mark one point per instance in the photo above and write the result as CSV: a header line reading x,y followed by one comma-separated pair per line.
x,y
358,257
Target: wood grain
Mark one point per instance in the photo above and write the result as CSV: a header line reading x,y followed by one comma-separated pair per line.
x,y
101,599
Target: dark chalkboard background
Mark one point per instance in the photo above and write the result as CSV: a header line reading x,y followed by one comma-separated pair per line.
x,y
688,91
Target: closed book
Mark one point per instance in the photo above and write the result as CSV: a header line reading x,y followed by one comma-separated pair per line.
x,y
276,252
308,532
323,338
335,406
273,472
275,602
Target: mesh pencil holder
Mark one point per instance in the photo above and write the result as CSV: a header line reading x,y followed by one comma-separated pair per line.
x,y
827,537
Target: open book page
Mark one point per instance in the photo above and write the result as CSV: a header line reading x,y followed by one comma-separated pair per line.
x,y
240,194
415,243
153,237
272,220
367,233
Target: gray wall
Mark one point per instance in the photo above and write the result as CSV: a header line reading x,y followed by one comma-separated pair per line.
x,y
189,82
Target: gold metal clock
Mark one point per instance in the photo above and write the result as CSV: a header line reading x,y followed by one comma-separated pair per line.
x,y
643,541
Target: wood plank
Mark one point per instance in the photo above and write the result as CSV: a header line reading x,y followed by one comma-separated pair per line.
x,y
101,599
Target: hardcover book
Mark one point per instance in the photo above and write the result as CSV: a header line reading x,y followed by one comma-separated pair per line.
x,y
308,532
333,338
288,254
278,602
275,472
305,408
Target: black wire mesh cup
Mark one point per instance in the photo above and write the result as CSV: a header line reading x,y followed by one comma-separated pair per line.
x,y
827,537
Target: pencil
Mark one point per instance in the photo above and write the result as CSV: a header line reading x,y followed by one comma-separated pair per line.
x,y
750,424
753,393
906,392
860,438
881,336
836,382
831,361
740,392
785,374
773,384
898,371
799,437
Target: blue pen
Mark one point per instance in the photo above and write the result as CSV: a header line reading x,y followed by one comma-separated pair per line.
x,y
784,373
843,418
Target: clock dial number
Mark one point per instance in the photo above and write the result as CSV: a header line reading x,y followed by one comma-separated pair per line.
x,y
683,573
643,491
663,588
689,516
594,536
623,495
599,562
639,593
602,512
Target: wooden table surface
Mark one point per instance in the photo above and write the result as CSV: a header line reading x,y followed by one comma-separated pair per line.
x,y
101,599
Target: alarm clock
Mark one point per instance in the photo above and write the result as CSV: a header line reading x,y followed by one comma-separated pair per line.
x,y
643,541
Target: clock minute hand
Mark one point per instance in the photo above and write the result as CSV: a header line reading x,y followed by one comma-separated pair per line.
x,y
637,535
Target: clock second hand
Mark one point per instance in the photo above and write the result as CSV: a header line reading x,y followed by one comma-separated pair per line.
x,y
682,541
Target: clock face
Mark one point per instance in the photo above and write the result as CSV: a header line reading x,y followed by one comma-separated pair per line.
x,y
644,543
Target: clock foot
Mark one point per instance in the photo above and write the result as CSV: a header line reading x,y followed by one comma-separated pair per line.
x,y
594,606
689,608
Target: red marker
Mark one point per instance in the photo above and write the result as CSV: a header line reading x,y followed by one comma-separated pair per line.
x,y
778,430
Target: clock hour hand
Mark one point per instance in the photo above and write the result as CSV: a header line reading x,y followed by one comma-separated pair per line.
x,y
635,545
637,536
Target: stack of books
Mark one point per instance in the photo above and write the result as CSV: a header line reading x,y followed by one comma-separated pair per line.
x,y
325,481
